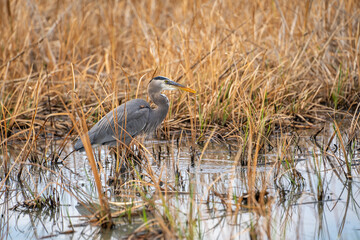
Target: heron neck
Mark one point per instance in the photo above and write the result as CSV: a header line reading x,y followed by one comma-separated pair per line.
x,y
159,113
159,99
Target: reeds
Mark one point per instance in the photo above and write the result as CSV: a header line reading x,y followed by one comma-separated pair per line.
x,y
304,56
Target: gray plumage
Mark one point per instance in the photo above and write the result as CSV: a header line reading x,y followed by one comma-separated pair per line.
x,y
134,117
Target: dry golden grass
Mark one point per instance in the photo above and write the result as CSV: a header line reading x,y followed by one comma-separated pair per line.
x,y
271,60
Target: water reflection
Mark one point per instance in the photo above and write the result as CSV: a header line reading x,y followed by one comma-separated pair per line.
x,y
304,190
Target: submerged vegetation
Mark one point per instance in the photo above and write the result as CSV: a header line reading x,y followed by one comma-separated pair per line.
x,y
269,76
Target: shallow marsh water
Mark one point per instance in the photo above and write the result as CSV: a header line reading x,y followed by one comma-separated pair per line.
x,y
307,194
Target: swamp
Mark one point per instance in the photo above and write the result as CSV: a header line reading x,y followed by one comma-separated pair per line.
x,y
267,148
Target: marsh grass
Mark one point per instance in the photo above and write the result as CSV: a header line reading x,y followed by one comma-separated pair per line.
x,y
260,68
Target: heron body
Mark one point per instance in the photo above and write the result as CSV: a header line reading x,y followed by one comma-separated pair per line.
x,y
134,117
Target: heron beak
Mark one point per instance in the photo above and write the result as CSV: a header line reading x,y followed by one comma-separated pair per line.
x,y
187,89
179,86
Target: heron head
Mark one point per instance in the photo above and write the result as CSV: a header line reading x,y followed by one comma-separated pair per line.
x,y
163,83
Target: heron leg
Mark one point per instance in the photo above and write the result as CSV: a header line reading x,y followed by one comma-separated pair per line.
x,y
119,158
136,155
127,163
119,170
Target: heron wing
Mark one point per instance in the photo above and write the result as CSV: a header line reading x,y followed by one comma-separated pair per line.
x,y
129,123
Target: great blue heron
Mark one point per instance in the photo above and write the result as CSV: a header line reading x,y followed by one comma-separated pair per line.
x,y
133,117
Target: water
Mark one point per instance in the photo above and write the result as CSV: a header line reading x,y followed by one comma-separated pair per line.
x,y
307,194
